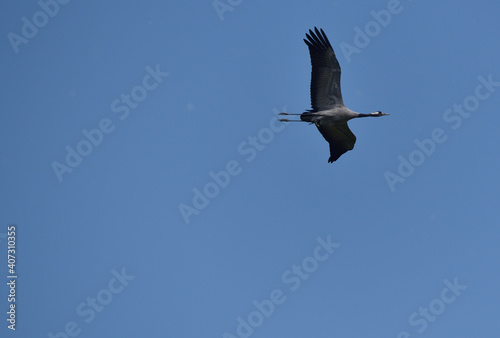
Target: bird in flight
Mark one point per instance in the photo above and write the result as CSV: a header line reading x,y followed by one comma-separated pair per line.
x,y
328,112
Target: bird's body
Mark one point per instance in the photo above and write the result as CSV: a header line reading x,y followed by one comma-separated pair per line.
x,y
328,112
330,116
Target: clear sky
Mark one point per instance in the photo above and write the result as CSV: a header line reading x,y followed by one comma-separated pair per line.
x,y
154,194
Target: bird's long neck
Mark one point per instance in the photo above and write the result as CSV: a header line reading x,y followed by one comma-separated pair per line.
x,y
364,115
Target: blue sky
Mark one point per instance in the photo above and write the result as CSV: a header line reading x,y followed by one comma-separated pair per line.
x,y
155,195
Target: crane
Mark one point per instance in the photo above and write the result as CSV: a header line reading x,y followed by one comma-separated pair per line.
x,y
328,112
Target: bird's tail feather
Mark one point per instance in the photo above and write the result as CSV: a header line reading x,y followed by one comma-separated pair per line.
x,y
309,116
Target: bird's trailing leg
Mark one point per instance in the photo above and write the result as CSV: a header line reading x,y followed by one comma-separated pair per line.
x,y
287,120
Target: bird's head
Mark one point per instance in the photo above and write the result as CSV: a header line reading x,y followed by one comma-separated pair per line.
x,y
378,113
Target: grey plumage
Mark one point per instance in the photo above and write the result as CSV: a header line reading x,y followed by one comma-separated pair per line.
x,y
328,112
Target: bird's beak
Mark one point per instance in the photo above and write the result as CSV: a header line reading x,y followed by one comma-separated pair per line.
x,y
385,114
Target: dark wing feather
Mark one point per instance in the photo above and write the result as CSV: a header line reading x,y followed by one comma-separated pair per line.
x,y
325,74
340,138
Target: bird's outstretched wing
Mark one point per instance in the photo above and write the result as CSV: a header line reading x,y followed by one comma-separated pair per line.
x,y
340,138
325,74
